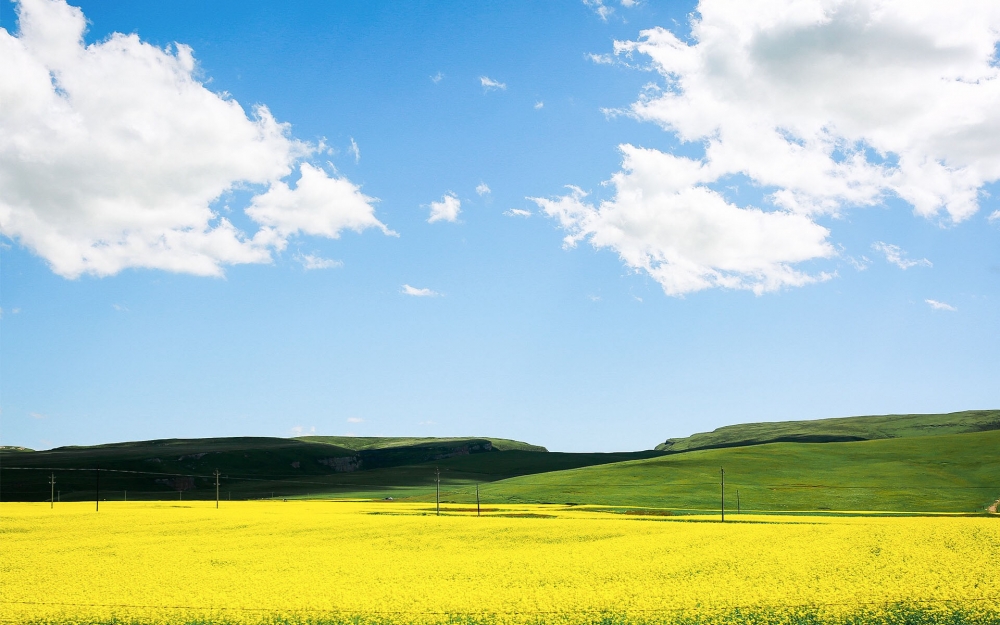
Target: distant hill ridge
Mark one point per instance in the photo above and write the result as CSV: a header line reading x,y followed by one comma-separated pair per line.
x,y
364,443
842,429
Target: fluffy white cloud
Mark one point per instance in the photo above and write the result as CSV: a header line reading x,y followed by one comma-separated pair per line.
x,y
936,305
319,205
113,155
837,102
824,105
489,84
415,292
895,255
482,189
445,210
685,235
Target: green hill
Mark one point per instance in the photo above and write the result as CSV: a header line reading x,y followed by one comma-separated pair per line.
x,y
842,429
256,467
361,443
945,473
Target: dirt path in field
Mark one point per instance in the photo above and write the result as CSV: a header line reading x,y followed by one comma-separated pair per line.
x,y
993,509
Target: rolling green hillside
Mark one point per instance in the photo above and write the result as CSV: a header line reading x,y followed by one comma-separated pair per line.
x,y
838,430
945,473
266,467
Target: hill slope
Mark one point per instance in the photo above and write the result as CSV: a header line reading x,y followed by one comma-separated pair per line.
x,y
842,429
364,443
265,467
946,473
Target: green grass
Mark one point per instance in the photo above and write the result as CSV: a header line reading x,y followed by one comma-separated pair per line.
x,y
946,473
911,463
838,430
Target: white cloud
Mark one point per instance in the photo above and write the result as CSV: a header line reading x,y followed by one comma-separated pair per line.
x,y
113,155
355,150
436,78
994,216
897,256
628,4
37,415
319,205
482,188
824,104
299,430
355,420
410,290
836,103
446,210
311,261
859,263
602,10
489,84
120,307
517,212
601,59
539,105
936,305
663,220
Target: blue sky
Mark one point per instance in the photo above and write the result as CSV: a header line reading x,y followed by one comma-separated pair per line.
x,y
770,230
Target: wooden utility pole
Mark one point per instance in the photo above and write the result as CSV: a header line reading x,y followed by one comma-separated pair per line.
x,y
97,492
216,489
52,485
723,473
478,511
437,490
737,501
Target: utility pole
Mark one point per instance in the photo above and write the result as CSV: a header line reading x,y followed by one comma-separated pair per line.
x,y
52,485
723,473
126,495
216,489
737,501
477,501
97,492
437,491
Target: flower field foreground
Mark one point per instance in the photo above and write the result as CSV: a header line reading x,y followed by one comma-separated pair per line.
x,y
393,563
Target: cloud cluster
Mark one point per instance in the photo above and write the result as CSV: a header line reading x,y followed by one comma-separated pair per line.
x,y
824,105
685,235
895,255
445,210
114,155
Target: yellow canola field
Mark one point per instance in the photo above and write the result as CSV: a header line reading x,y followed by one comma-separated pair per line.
x,y
320,562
